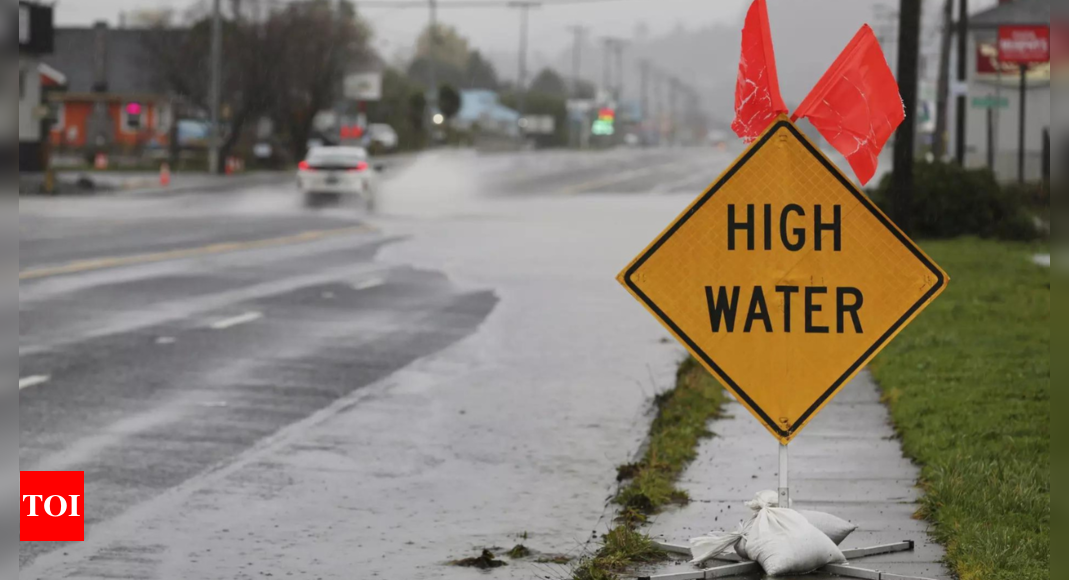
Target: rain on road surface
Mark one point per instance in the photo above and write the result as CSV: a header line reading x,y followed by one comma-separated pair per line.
x,y
257,389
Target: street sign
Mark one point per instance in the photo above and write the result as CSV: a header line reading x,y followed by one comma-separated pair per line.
x,y
990,102
1024,44
783,279
364,86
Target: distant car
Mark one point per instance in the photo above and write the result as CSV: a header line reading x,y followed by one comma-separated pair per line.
x,y
336,174
382,135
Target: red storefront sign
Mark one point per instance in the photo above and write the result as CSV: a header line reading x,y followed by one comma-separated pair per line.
x,y
1024,44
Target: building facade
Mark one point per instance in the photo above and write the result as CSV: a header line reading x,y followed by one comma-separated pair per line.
x,y
993,116
113,101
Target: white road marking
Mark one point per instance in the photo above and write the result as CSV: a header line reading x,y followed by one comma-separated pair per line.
x,y
369,284
165,340
243,319
33,381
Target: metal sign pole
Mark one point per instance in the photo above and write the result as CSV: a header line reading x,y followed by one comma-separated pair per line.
x,y
784,477
1021,136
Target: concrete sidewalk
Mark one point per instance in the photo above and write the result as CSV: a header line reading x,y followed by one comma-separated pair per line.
x,y
847,462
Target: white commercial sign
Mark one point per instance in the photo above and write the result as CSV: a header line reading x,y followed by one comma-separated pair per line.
x,y
363,86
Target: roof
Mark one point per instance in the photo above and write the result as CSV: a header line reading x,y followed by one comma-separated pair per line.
x,y
1020,12
54,76
128,69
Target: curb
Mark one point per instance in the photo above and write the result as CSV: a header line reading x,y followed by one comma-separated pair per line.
x,y
216,186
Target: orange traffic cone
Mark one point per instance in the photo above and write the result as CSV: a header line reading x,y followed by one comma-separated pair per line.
x,y
165,175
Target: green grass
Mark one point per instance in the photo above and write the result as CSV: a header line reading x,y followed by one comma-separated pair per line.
x,y
649,485
968,384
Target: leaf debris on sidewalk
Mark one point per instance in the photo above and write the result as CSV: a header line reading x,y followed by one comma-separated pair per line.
x,y
485,561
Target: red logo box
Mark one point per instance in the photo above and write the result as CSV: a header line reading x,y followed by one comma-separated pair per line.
x,y
53,506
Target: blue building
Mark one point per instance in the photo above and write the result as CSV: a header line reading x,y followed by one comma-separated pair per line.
x,y
482,109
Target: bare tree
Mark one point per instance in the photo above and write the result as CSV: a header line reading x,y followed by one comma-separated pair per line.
x,y
280,60
323,43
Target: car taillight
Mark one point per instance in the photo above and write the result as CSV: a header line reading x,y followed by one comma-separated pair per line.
x,y
362,166
304,166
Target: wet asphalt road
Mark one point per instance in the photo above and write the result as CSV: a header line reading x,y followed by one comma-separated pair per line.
x,y
163,340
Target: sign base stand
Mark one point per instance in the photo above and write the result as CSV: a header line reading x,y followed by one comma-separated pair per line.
x,y
738,567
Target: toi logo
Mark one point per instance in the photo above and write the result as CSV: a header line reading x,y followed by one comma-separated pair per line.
x,y
53,506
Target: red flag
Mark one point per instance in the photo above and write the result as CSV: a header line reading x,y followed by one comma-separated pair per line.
x,y
757,98
856,105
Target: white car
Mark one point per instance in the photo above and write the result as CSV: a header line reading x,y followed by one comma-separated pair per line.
x,y
336,174
382,135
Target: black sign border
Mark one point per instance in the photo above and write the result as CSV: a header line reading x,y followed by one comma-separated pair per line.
x,y
865,201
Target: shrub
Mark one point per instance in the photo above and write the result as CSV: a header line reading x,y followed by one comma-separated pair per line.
x,y
949,201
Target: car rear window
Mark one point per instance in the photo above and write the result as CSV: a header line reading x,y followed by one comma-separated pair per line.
x,y
335,158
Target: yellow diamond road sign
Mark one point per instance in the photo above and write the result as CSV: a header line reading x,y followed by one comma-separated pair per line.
x,y
783,279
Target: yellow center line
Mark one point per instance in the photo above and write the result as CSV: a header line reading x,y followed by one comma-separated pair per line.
x,y
180,254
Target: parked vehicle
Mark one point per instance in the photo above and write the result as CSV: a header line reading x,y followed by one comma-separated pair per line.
x,y
383,136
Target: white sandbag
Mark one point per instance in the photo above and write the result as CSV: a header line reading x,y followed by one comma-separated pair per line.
x,y
837,529
706,548
781,540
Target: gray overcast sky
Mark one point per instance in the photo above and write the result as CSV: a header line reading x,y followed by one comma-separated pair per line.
x,y
495,32
488,29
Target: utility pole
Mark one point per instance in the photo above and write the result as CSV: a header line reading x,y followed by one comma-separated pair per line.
x,y
942,104
614,47
1023,127
606,66
673,93
609,44
577,55
963,73
521,85
658,104
432,65
619,46
216,93
644,89
909,28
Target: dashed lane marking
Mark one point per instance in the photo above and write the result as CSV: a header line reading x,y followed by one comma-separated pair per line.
x,y
33,381
237,320
369,284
